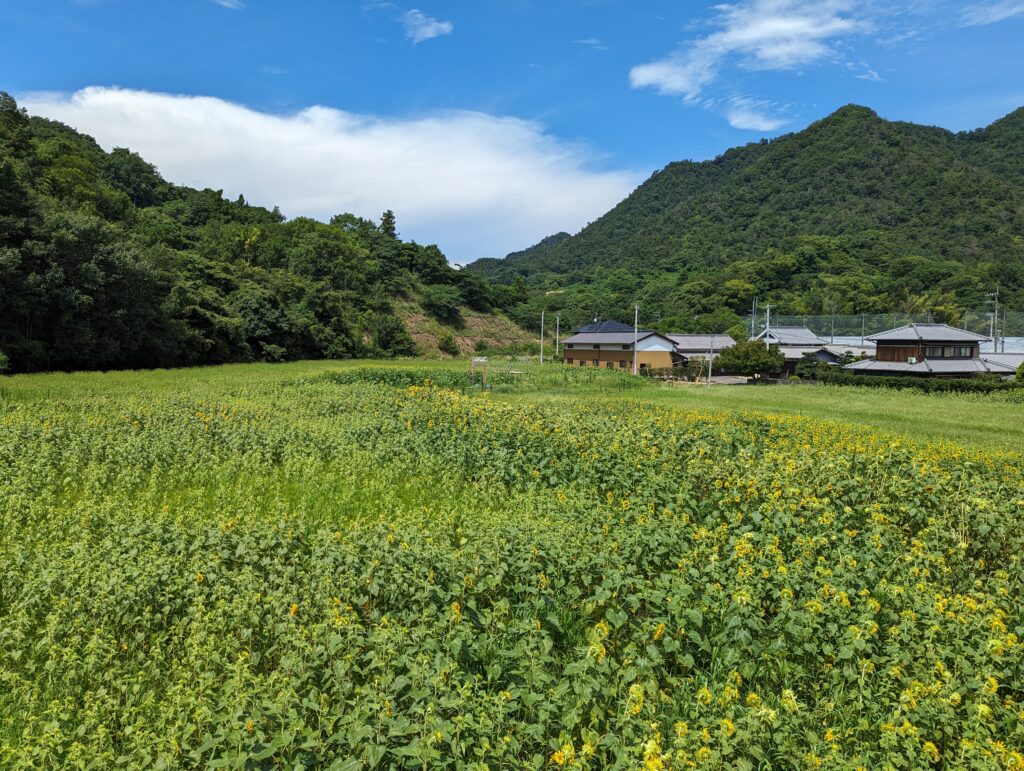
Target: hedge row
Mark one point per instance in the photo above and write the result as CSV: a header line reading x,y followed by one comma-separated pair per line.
x,y
979,384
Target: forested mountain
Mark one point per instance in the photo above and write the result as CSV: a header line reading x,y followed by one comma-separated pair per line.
x,y
854,214
103,264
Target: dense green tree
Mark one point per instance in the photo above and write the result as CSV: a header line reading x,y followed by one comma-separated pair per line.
x,y
442,302
387,225
752,359
103,264
390,336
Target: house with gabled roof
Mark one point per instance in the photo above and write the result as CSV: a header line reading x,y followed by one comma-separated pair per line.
x,y
798,343
791,337
692,347
929,350
609,344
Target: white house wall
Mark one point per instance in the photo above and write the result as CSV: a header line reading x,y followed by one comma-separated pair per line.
x,y
655,344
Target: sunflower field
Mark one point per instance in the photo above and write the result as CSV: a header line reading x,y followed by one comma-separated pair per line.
x,y
380,571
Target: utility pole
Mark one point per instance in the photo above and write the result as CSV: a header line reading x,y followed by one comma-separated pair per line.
x,y
711,355
636,333
994,325
558,324
862,330
753,319
767,323
542,337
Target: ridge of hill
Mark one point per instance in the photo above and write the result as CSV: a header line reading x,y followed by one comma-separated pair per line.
x,y
853,214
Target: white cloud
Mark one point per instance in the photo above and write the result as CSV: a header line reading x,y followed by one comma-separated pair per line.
x,y
746,113
683,74
990,13
476,184
753,34
234,5
420,27
870,74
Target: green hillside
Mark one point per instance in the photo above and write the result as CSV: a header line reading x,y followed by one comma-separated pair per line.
x,y
103,264
854,214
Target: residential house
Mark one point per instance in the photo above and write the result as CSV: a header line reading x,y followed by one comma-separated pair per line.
x,y
694,347
796,343
930,350
609,344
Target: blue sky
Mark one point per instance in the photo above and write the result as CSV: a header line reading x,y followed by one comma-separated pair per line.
x,y
487,125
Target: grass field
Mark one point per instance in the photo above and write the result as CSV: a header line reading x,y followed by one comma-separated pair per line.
x,y
362,565
986,421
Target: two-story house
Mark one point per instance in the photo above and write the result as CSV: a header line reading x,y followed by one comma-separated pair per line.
x,y
928,350
609,344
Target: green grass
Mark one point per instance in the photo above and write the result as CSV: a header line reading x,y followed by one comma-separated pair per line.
x,y
979,420
986,421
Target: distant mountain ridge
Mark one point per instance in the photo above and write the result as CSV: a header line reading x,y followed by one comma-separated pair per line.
x,y
854,207
542,245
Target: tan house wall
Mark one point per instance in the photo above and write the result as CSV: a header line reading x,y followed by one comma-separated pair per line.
x,y
653,359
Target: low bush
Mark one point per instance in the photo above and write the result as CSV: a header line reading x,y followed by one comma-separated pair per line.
x,y
447,344
981,384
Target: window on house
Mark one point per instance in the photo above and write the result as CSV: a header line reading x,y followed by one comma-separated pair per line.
x,y
568,345
597,363
569,360
965,351
609,364
933,352
622,363
626,347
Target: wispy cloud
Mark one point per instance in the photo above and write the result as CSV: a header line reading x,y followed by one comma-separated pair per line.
x,y
752,35
476,184
990,13
420,27
234,5
744,112
592,42
756,34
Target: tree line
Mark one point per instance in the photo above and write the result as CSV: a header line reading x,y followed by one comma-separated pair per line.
x,y
106,265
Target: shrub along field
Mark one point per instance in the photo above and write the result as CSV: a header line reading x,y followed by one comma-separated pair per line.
x,y
359,567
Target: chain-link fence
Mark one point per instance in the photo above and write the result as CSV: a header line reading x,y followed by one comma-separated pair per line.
x,y
852,328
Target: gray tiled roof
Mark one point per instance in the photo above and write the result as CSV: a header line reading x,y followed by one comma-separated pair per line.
x,y
856,350
609,338
930,367
605,326
797,352
701,343
929,333
1011,360
791,336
